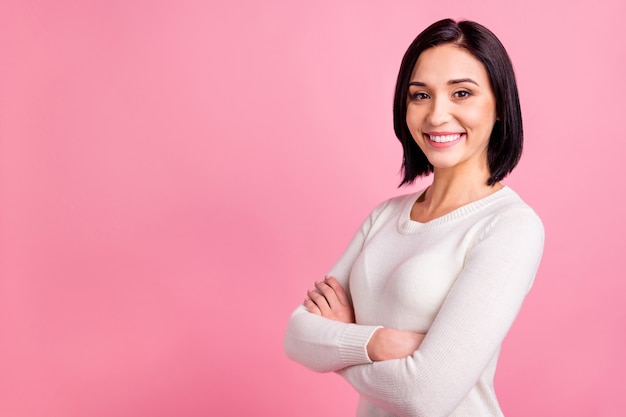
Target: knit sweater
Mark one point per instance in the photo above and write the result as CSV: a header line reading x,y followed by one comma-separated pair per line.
x,y
460,278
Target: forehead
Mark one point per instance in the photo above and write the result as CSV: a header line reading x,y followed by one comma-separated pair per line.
x,y
448,62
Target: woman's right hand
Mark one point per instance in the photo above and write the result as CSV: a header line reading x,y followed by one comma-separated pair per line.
x,y
329,299
386,344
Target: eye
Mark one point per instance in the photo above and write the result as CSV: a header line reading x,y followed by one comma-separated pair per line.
x,y
418,96
462,94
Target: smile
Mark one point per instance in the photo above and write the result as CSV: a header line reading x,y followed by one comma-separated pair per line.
x,y
443,139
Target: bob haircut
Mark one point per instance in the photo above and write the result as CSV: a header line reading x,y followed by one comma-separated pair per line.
x,y
506,140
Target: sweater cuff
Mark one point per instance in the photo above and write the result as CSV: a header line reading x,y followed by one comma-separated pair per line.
x,y
353,346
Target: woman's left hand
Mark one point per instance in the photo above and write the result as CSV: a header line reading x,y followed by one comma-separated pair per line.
x,y
330,300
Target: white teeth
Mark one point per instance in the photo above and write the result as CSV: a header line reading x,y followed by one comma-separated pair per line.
x,y
444,138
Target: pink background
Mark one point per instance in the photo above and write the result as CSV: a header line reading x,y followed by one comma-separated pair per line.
x,y
175,174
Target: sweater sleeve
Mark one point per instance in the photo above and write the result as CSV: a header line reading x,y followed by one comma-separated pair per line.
x,y
325,345
468,329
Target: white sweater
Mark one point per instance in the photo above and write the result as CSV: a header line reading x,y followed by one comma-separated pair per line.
x,y
460,279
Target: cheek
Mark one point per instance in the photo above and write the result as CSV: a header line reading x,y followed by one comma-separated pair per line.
x,y
413,118
414,129
482,117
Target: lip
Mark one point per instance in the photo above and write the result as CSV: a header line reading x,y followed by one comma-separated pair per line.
x,y
434,144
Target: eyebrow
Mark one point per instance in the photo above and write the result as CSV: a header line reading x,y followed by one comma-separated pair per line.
x,y
451,82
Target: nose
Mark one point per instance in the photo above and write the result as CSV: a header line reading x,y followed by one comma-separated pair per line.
x,y
439,112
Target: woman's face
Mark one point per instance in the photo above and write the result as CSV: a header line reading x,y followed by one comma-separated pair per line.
x,y
451,109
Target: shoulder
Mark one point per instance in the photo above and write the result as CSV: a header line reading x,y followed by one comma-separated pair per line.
x,y
514,208
512,216
389,210
393,206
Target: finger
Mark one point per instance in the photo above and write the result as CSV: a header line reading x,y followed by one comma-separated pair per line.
x,y
329,293
341,293
312,307
320,301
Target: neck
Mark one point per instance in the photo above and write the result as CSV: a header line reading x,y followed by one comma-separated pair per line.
x,y
451,190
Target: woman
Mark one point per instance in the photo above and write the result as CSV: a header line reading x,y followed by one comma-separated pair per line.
x,y
414,313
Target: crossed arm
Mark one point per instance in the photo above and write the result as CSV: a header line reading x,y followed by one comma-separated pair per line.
x,y
330,300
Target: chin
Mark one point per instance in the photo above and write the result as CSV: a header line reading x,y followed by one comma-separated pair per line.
x,y
442,164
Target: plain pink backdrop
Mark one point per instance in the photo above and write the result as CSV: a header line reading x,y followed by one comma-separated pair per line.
x,y
175,174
